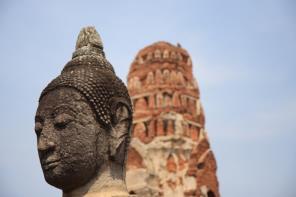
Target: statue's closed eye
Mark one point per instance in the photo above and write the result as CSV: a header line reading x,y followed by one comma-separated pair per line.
x,y
61,121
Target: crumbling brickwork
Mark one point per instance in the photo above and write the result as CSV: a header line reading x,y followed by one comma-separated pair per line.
x,y
170,153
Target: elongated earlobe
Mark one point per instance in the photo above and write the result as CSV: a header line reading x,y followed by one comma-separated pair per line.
x,y
120,133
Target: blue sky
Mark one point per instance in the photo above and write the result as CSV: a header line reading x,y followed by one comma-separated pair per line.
x,y
244,60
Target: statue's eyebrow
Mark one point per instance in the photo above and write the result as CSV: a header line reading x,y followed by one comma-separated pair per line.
x,y
64,109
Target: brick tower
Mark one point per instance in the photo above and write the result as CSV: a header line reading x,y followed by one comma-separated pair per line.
x,y
169,154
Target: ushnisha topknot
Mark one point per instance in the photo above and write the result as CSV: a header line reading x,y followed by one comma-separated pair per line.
x,y
89,48
88,42
93,76
89,36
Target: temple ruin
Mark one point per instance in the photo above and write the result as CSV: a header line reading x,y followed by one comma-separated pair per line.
x,y
169,154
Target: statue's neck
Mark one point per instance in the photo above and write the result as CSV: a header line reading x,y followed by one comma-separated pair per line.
x,y
109,181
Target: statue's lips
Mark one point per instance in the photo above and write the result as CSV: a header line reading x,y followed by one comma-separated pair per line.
x,y
49,164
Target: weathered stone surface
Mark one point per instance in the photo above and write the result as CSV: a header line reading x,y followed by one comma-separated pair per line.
x,y
83,124
168,130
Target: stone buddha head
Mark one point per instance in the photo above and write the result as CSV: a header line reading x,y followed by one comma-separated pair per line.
x,y
83,120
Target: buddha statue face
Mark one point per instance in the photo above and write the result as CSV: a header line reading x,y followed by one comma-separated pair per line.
x,y
83,119
72,144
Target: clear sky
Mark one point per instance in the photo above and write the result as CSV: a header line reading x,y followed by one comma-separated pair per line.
x,y
244,60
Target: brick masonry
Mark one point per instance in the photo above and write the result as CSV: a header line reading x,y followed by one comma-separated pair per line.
x,y
170,153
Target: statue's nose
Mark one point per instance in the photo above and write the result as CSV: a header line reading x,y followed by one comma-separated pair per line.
x,y
46,139
45,145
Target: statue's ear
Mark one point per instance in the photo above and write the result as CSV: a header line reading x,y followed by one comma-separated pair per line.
x,y
120,130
